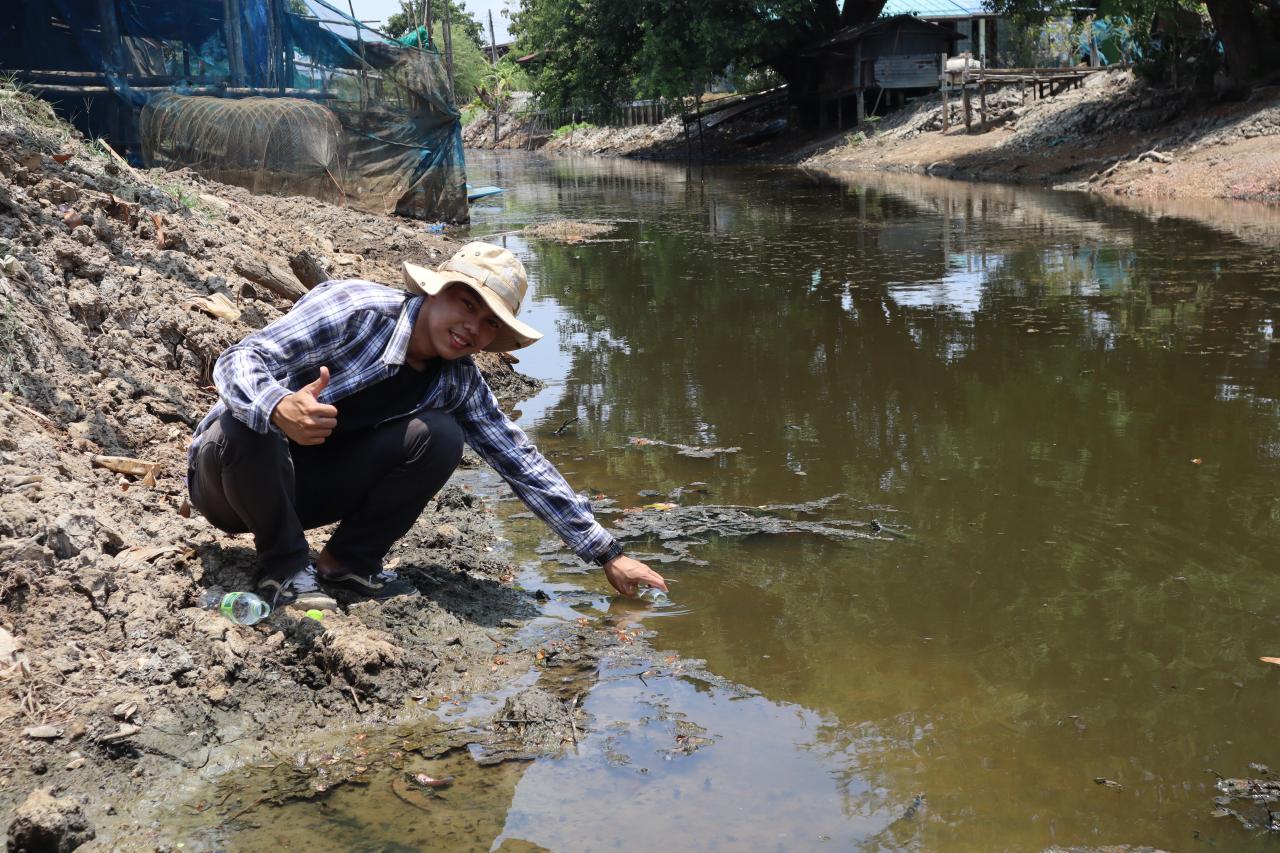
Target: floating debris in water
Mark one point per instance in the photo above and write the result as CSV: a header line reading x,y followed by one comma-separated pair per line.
x,y
1251,801
568,230
683,449
678,528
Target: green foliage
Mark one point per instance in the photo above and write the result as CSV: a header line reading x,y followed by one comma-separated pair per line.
x,y
497,84
1249,30
462,21
609,51
470,65
566,129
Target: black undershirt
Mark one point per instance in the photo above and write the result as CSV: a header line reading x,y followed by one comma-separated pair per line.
x,y
396,396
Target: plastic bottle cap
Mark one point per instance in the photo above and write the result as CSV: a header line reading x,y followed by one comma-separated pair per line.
x,y
317,615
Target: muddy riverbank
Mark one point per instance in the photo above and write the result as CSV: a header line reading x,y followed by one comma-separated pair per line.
x,y
119,290
1115,135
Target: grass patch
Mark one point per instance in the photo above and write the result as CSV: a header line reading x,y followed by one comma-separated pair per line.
x,y
566,129
17,102
191,201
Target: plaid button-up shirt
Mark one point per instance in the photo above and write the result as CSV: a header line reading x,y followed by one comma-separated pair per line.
x,y
360,331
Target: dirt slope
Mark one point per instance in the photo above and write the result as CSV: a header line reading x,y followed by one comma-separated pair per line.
x,y
1115,134
112,682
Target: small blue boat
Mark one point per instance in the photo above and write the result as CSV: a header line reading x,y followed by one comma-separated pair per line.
x,y
477,193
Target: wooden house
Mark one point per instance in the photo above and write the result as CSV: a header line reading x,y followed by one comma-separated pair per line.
x,y
979,28
884,60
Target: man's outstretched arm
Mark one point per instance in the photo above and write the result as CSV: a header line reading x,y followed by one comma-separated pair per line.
x,y
542,488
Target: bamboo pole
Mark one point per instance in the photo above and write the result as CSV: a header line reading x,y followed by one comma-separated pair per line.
x,y
493,42
448,50
493,61
364,77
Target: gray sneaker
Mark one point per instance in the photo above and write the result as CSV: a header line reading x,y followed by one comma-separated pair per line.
x,y
300,591
378,587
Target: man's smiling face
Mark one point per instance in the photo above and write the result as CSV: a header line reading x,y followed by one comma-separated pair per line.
x,y
453,323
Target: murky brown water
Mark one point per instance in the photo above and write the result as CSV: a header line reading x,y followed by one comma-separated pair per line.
x,y
1018,380
1067,408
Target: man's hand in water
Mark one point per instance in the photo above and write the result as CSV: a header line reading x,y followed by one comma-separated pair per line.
x,y
304,418
627,574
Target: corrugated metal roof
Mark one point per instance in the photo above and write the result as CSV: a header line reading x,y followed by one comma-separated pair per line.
x,y
850,34
936,8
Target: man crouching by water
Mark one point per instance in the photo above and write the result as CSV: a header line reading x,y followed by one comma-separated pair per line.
x,y
353,407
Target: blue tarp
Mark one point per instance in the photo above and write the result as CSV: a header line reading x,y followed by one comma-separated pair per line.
x,y
401,131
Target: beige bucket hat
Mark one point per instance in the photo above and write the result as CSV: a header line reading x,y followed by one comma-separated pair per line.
x,y
497,277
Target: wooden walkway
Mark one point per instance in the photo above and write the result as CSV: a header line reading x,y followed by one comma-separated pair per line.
x,y
1041,82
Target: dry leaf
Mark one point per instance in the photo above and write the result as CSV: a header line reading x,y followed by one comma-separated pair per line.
x,y
216,305
406,792
660,507
117,209
72,219
126,730
140,554
431,782
133,467
158,221
1275,661
1197,461
61,158
42,732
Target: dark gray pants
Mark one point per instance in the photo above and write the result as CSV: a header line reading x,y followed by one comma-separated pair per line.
x,y
376,482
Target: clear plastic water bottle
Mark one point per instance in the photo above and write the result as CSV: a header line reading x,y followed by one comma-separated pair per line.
x,y
653,596
242,608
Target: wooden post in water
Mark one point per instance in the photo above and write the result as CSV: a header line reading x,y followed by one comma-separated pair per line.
x,y
861,99
942,89
688,143
982,92
702,148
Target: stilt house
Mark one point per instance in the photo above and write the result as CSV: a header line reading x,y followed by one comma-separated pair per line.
x,y
859,68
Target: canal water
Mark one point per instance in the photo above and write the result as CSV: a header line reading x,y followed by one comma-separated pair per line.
x,y
1066,409
1063,414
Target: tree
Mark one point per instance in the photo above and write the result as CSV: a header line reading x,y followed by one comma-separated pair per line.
x,y
412,12
605,51
1248,29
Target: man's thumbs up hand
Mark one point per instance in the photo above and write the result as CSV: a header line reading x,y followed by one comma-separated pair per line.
x,y
304,418
321,382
